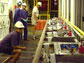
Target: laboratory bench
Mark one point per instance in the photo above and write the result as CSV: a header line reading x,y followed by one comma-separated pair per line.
x,y
58,44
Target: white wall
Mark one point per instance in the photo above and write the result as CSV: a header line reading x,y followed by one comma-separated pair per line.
x,y
4,21
12,4
5,5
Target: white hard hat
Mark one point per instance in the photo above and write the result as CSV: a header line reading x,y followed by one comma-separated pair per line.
x,y
19,24
39,3
24,4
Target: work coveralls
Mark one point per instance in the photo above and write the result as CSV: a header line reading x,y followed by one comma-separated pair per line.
x,y
17,15
8,42
24,15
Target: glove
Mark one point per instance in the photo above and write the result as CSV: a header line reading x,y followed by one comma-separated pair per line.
x,y
25,20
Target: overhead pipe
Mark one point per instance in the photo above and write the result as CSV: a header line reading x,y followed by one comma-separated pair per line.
x,y
62,8
73,11
59,7
68,10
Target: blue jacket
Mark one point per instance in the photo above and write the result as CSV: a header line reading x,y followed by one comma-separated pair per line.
x,y
17,15
24,14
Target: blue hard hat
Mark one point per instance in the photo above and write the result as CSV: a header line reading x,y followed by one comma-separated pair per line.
x,y
19,3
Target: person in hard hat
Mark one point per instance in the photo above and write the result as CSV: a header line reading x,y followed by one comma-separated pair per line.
x,y
17,15
10,44
35,15
24,19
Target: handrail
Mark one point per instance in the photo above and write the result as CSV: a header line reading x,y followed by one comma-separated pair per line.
x,y
82,33
75,30
38,50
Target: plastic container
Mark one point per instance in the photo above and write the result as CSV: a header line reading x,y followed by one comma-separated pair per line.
x,y
40,25
80,49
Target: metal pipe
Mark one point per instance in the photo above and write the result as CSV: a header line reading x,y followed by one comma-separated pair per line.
x,y
68,10
82,33
48,9
59,8
81,14
38,50
65,8
75,30
62,8
78,30
73,11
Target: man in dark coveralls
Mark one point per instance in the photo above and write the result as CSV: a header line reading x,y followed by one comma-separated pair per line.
x,y
17,15
10,44
24,19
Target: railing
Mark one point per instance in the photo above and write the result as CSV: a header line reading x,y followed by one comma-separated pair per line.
x,y
79,32
38,50
75,28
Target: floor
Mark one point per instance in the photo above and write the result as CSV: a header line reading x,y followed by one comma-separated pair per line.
x,y
26,56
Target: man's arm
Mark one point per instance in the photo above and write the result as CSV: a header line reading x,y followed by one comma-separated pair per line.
x,y
19,47
15,42
35,16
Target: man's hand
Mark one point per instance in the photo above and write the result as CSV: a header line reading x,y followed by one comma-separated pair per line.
x,y
24,19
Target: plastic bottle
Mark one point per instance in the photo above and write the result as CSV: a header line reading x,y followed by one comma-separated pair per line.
x,y
69,34
80,49
65,27
61,22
